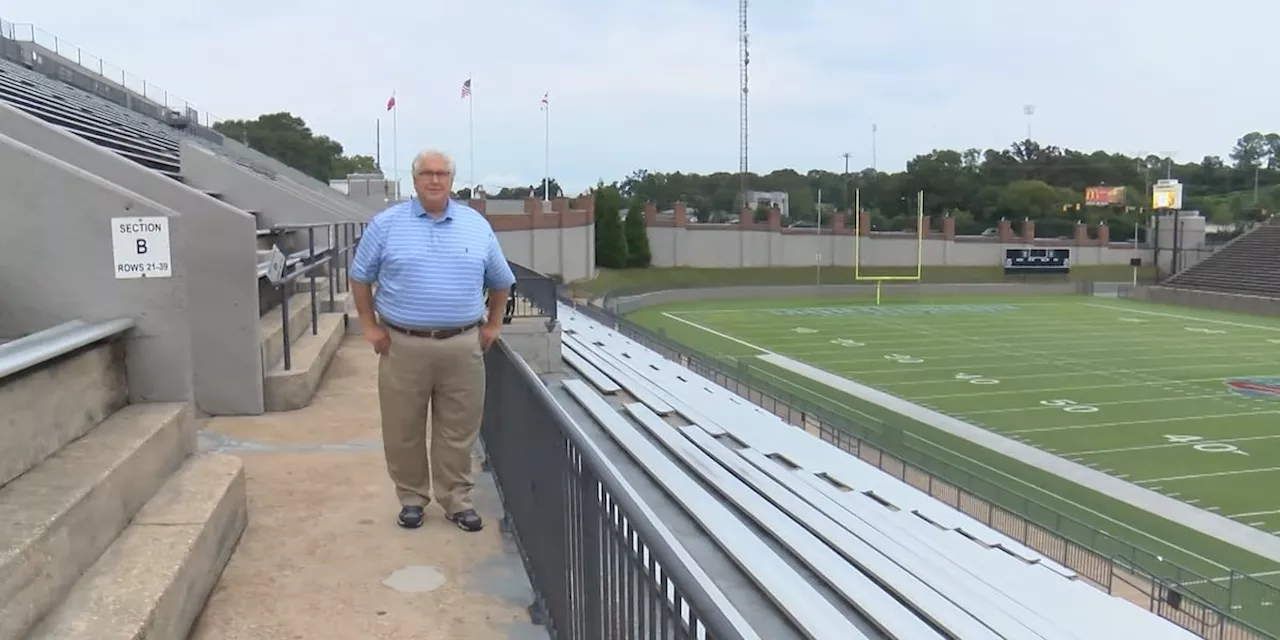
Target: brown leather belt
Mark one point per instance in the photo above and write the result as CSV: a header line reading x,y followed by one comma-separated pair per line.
x,y
437,334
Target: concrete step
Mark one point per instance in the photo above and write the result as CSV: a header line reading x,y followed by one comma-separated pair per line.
x,y
293,389
61,516
272,331
155,578
47,408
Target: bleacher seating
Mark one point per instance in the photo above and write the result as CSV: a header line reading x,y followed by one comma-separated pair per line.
x,y
1248,265
112,528
278,202
907,564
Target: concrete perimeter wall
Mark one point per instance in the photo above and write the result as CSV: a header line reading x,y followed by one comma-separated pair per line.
x,y
557,238
711,246
221,268
628,304
1256,305
56,265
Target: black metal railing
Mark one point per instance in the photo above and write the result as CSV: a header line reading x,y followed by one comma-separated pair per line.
x,y
533,296
602,566
327,249
1239,608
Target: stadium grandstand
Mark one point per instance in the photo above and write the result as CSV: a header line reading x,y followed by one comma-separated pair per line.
x,y
644,499
1248,265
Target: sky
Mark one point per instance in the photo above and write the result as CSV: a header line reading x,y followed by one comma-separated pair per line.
x,y
654,84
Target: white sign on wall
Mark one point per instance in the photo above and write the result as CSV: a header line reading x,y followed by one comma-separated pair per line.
x,y
140,247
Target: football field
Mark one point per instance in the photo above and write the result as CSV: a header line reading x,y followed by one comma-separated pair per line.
x,y
1179,401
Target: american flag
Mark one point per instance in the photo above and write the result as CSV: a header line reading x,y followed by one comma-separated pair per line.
x,y
466,88
545,103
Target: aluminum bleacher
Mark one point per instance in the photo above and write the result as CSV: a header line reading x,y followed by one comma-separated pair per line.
x,y
233,206
844,549
1248,265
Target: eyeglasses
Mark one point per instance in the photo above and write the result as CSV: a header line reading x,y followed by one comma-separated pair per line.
x,y
438,175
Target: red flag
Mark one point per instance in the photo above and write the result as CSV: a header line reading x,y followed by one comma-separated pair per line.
x,y
391,104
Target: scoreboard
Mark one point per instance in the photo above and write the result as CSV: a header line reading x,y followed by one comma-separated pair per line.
x,y
1037,260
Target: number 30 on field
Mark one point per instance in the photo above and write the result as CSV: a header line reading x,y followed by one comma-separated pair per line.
x,y
1207,447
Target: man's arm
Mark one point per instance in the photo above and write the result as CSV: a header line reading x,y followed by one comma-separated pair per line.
x,y
498,280
364,272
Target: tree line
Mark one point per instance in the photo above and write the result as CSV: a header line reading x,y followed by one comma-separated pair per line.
x,y
1031,180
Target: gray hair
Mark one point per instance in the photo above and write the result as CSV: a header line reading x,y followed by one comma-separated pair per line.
x,y
430,153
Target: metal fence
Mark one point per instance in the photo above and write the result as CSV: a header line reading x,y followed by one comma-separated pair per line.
x,y
602,566
533,296
327,251
1213,608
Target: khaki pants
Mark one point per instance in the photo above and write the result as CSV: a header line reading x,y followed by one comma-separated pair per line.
x,y
445,377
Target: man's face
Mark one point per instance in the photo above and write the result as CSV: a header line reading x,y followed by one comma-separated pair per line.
x,y
433,181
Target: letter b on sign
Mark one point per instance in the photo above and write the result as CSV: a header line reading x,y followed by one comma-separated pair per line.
x,y
142,246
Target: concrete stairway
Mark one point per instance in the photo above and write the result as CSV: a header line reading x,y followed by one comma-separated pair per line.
x,y
310,351
110,527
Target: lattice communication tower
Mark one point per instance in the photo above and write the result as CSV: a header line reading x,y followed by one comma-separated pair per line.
x,y
744,58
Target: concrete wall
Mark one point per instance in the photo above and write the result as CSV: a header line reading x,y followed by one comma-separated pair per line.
x,y
276,202
558,242
221,268
1256,305
56,265
709,245
628,304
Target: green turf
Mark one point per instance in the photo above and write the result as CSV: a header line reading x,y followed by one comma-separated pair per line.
x,y
653,278
1135,390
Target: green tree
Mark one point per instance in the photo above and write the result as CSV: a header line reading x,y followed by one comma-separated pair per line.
x,y
1029,179
611,243
637,236
287,138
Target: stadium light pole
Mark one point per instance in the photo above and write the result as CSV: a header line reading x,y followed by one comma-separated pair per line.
x,y
817,262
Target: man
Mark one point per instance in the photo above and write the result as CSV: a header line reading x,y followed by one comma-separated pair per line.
x,y
432,259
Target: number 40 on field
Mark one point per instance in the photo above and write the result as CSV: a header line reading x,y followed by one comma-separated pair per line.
x,y
1207,447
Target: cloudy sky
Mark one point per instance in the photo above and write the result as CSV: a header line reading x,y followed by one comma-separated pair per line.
x,y
654,84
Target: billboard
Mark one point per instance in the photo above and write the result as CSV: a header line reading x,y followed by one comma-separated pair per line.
x,y
1102,196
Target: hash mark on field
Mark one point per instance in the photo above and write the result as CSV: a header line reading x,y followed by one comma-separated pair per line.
x,y
1182,317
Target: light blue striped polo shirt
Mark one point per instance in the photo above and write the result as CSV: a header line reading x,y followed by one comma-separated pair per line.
x,y
431,272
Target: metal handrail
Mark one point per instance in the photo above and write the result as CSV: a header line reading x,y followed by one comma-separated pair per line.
x,y
716,615
42,346
334,256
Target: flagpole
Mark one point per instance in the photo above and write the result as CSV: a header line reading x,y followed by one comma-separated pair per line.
x,y
471,133
546,173
395,146
377,153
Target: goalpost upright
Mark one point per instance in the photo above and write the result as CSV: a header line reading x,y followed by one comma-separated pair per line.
x,y
857,245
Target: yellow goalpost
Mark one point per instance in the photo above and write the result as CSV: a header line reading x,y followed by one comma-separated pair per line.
x,y
857,246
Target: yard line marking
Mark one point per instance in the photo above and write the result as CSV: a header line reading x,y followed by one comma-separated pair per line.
x,y
1169,445
1181,317
1255,513
718,334
1094,404
1053,389
1216,474
1193,501
1237,364
1151,421
1256,524
977,463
